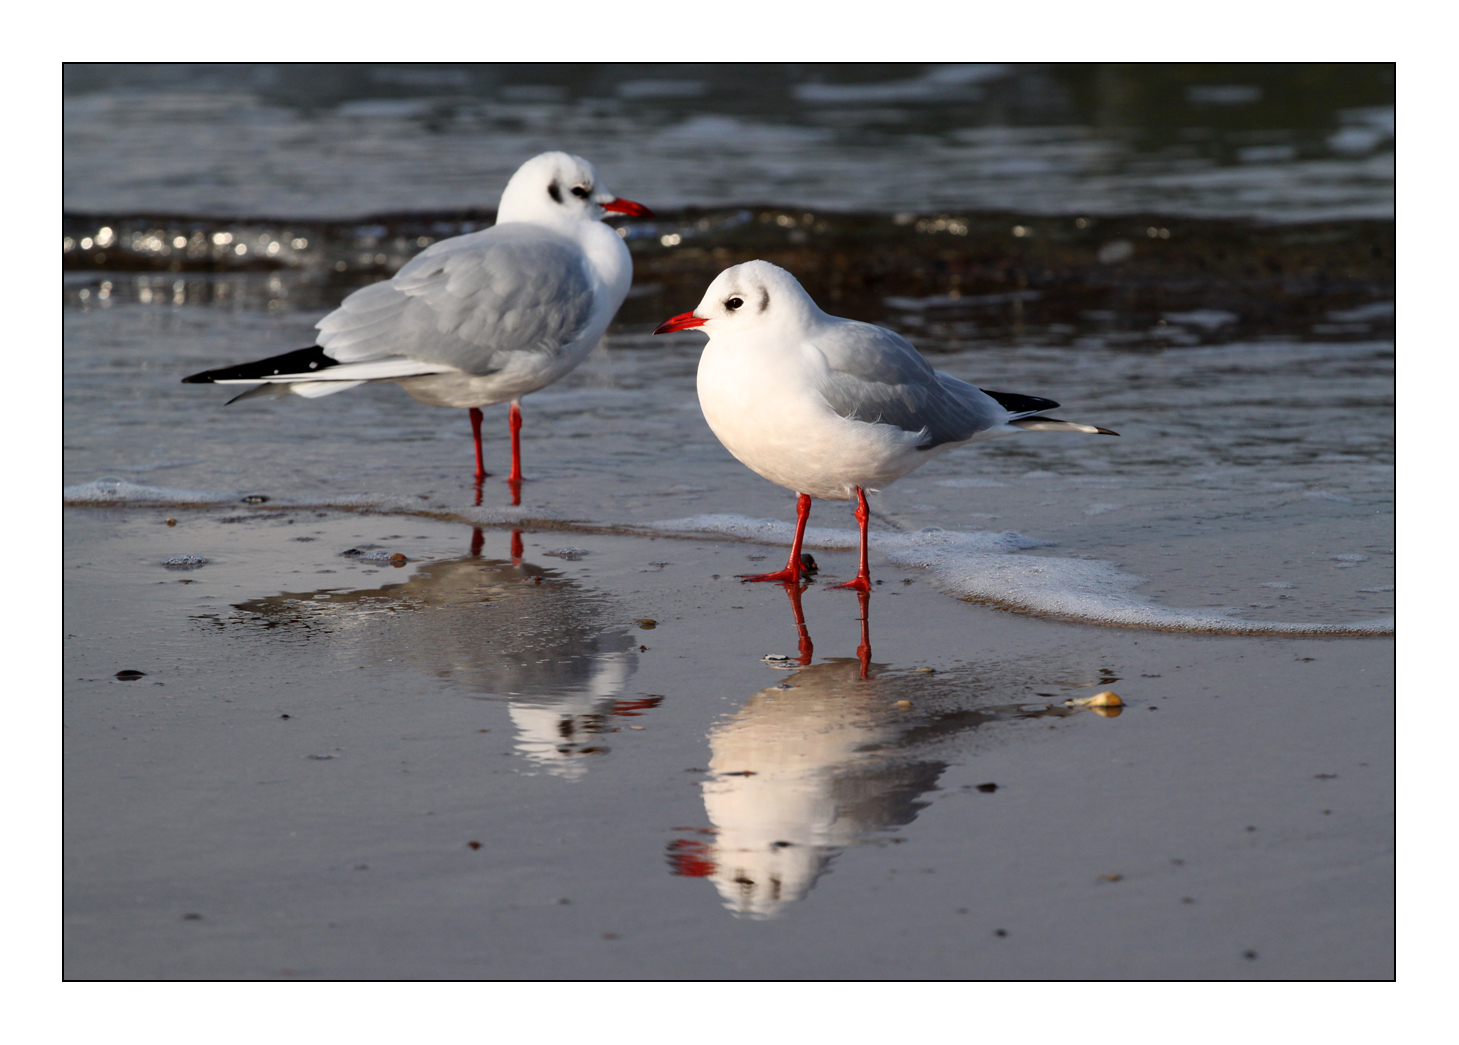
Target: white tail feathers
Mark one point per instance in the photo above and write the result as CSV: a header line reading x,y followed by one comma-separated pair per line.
x,y
272,391
307,389
1049,424
317,389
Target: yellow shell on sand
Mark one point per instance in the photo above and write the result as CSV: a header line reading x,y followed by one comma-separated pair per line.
x,y
1107,699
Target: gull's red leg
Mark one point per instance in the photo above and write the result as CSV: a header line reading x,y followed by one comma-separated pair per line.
x,y
862,582
477,540
514,422
517,547
476,436
807,651
863,652
793,569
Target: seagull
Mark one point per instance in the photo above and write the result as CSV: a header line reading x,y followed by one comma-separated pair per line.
x,y
830,407
477,319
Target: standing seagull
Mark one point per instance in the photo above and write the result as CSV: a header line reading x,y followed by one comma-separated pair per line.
x,y
830,407
477,319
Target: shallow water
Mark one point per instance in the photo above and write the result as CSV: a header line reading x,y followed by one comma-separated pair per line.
x,y
579,685
1222,483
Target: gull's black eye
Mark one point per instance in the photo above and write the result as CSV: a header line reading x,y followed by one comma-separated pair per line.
x,y
734,303
580,192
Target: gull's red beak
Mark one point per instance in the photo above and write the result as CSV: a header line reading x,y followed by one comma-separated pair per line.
x,y
622,206
680,322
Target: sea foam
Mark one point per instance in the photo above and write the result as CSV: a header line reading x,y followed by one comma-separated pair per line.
x,y
109,490
977,565
983,567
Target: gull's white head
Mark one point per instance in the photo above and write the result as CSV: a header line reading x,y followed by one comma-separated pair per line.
x,y
754,296
556,188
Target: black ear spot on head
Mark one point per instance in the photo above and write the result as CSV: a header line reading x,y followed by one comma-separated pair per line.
x,y
554,192
764,300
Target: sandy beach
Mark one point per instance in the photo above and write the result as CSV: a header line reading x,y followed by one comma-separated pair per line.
x,y
294,787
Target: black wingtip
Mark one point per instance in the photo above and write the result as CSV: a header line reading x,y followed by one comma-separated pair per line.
x,y
1018,404
300,361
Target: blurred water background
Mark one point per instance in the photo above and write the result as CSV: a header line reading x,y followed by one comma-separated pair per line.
x,y
1100,195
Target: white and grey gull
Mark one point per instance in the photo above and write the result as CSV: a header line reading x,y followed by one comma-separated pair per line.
x,y
832,407
476,319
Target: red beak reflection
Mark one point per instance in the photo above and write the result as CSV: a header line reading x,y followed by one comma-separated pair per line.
x,y
682,321
622,206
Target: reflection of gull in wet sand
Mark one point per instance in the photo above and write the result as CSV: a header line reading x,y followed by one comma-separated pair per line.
x,y
496,627
818,762
558,729
795,781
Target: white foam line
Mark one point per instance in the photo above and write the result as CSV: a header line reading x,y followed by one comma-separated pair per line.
x,y
980,566
108,490
975,565
774,531
121,492
487,515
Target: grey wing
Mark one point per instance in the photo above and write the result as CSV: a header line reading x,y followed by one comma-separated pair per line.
x,y
469,302
877,377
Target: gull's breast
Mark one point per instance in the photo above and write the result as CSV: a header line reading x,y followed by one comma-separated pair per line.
x,y
773,420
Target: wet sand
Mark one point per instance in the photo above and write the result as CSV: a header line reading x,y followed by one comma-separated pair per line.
x,y
1233,822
